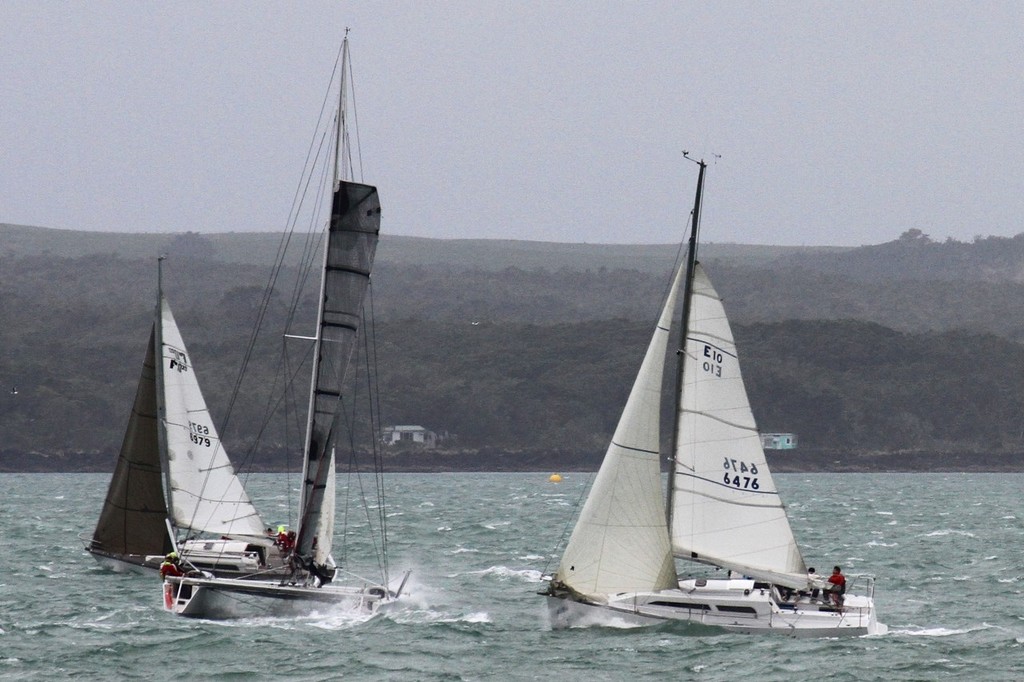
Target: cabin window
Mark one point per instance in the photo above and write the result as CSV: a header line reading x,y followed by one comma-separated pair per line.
x,y
738,609
680,605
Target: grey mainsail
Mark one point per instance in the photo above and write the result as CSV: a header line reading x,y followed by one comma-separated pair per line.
x,y
351,245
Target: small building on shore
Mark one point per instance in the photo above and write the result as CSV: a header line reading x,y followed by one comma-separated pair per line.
x,y
778,441
413,435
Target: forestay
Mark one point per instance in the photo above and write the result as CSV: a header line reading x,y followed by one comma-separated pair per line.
x,y
620,542
205,493
726,509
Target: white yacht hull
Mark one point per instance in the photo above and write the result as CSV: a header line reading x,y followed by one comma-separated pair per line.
x,y
226,598
730,605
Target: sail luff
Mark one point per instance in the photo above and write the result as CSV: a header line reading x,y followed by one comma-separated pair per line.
x,y
307,474
726,508
620,542
160,397
684,325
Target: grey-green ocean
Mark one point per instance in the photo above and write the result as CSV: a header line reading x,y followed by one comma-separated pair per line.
x,y
947,551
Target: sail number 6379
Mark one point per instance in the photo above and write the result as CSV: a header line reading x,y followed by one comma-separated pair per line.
x,y
199,433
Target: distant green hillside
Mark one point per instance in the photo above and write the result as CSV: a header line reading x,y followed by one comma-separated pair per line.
x,y
525,350
848,389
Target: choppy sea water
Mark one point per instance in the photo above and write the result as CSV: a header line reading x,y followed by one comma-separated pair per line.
x,y
947,550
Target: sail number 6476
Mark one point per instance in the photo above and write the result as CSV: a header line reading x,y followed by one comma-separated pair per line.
x,y
733,470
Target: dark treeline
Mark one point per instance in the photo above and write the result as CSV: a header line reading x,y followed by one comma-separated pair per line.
x,y
528,367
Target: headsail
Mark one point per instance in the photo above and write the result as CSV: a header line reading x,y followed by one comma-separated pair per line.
x,y
133,519
620,543
726,509
205,494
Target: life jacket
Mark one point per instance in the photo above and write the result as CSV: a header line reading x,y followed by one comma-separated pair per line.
x,y
169,568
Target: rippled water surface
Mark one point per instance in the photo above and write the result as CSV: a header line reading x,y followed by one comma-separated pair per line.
x,y
947,549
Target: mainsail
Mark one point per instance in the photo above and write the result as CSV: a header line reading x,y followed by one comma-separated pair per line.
x,y
205,494
133,519
348,256
620,543
351,245
725,507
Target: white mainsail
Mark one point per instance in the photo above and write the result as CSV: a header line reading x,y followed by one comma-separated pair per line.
x,y
620,542
205,494
725,507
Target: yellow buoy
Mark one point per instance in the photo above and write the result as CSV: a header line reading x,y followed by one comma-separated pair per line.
x,y
555,478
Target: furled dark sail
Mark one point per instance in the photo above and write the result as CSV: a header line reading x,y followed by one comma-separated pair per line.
x,y
351,244
133,520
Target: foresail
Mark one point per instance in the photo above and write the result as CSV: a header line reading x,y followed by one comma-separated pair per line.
x,y
726,509
620,542
133,519
351,245
206,495
325,531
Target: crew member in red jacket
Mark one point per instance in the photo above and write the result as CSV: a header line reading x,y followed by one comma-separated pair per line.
x,y
837,586
170,566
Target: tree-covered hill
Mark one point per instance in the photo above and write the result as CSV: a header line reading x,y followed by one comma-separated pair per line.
x,y
523,353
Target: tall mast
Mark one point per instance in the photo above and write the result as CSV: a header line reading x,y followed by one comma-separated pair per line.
x,y
339,173
684,326
161,407
341,134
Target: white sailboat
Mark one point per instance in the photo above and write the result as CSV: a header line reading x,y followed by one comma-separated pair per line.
x,y
313,582
723,508
174,487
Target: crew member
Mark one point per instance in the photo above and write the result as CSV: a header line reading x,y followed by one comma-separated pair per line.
x,y
837,586
171,566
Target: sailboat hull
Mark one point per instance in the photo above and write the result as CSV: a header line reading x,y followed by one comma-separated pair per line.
x,y
725,605
222,598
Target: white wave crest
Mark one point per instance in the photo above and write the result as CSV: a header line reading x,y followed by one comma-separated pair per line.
x,y
949,531
940,632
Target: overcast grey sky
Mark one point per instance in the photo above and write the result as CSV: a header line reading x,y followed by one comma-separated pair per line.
x,y
840,123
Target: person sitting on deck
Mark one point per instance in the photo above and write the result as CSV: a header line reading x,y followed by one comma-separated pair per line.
x,y
282,536
837,586
171,566
287,544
